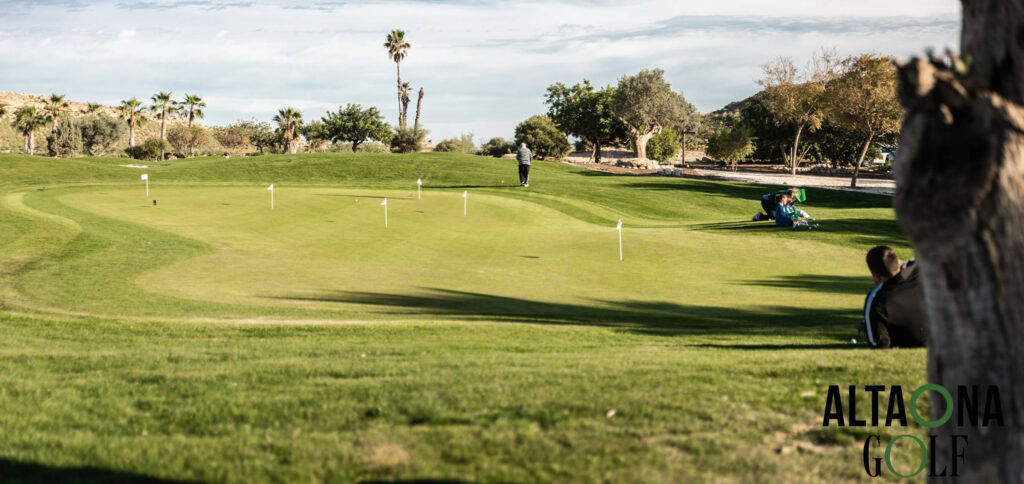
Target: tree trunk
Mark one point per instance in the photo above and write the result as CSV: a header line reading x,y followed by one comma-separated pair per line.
x,y
355,146
596,156
401,114
960,200
863,152
30,142
419,104
796,145
131,132
640,140
163,133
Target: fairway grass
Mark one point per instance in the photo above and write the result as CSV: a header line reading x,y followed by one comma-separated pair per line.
x,y
211,338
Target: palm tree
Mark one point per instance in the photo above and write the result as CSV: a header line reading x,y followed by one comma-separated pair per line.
x,y
406,89
3,109
132,110
289,126
28,119
92,108
397,50
54,106
163,106
194,105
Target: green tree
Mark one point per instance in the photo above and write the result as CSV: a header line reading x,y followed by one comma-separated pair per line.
x,y
797,98
645,103
497,147
261,135
99,133
192,106
863,99
665,145
289,128
66,140
92,108
731,144
586,113
461,144
543,137
27,119
398,49
317,135
56,105
353,124
164,107
132,111
185,139
151,149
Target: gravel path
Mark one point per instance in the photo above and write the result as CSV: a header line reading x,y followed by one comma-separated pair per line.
x,y
868,185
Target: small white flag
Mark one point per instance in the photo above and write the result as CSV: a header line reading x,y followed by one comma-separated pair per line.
x,y
145,176
419,181
271,187
465,194
384,202
619,226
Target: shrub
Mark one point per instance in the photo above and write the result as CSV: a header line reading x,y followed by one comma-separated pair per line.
x,y
731,145
151,149
407,140
542,137
186,139
66,140
462,144
99,133
497,147
664,145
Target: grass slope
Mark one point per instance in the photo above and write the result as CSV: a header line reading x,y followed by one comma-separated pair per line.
x,y
209,338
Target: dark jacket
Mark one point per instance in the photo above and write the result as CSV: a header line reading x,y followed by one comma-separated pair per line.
x,y
894,314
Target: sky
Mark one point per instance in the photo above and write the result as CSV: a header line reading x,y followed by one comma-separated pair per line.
x,y
484,65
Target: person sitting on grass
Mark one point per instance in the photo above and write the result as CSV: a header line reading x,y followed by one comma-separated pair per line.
x,y
769,201
785,215
894,314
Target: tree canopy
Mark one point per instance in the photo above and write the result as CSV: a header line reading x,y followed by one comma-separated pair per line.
x,y
586,113
645,103
356,125
543,138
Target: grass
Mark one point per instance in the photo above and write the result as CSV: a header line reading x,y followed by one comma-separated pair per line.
x,y
209,338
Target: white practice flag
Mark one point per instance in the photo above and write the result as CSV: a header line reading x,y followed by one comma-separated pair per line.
x,y
419,181
619,226
271,187
465,194
384,202
145,176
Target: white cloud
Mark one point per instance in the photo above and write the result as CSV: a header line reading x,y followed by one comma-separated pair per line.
x,y
484,66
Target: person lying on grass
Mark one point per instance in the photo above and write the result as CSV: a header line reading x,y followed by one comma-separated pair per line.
x,y
894,313
769,201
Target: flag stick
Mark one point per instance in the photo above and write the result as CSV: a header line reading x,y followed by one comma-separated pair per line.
x,y
419,184
619,229
465,202
385,203
147,187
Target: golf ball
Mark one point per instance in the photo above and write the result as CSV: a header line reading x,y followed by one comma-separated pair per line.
x,y
853,341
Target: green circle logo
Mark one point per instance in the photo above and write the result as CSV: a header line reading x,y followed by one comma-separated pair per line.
x,y
931,423
924,456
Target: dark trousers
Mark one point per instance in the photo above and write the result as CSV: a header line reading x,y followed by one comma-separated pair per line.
x,y
524,174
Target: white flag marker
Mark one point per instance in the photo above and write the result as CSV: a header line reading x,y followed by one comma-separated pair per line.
x,y
419,183
465,201
145,176
385,204
271,188
619,228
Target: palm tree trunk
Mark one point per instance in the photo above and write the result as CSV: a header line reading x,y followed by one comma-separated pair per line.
x,y
401,115
131,131
419,105
163,133
796,154
863,152
960,200
30,143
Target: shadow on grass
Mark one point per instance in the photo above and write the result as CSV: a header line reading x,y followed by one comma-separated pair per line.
x,y
819,283
361,196
861,231
644,317
816,197
827,346
21,472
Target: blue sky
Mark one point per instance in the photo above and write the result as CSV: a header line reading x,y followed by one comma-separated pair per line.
x,y
484,65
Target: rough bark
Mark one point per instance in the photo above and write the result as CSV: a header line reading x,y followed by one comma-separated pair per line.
x,y
131,132
30,142
419,105
860,160
960,200
596,155
640,139
401,112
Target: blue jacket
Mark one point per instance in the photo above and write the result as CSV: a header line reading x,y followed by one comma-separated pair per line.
x,y
783,213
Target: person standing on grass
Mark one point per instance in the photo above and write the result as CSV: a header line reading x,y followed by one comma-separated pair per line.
x,y
524,155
